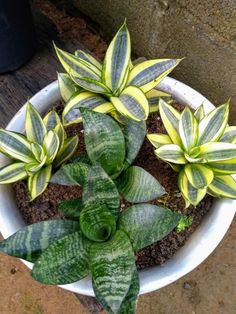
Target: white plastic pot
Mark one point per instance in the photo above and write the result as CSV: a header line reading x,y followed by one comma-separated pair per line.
x,y
199,245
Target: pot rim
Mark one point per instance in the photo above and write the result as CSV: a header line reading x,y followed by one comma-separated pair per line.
x,y
198,246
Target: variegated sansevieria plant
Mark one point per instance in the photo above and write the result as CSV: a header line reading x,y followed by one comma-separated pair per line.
x,y
202,148
116,85
97,238
43,147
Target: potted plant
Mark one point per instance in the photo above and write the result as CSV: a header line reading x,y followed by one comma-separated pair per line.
x,y
98,238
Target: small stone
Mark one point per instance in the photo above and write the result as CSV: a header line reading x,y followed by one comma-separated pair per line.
x,y
187,285
14,270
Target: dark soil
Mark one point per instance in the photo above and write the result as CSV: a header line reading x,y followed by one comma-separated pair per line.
x,y
45,206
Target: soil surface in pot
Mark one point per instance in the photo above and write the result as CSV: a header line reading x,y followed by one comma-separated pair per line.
x,y
45,206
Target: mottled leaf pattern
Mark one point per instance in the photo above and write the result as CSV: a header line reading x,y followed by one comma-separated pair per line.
x,y
137,185
104,140
146,223
29,242
71,208
112,266
64,261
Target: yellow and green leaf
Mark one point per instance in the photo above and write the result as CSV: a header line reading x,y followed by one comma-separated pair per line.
x,y
224,167
132,103
171,153
89,58
67,150
51,145
199,175
34,125
67,86
71,113
91,85
38,182
192,194
153,97
170,118
12,173
199,113
51,120
188,129
117,60
212,126
16,146
159,139
148,74
223,186
213,151
229,135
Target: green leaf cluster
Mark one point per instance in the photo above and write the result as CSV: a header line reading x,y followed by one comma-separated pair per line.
x,y
202,148
44,146
97,238
115,86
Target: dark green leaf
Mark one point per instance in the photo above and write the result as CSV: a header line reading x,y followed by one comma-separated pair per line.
x,y
134,133
129,304
71,208
64,261
145,224
100,188
97,222
104,140
112,265
29,242
71,174
137,185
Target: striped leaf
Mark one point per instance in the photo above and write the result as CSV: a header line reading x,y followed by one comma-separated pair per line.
x,y
223,186
34,166
229,135
172,153
193,195
199,175
67,150
77,67
146,223
153,97
15,146
137,185
117,59
51,145
38,182
71,208
91,85
12,173
30,241
64,261
212,126
134,133
89,58
38,152
67,86
159,139
104,140
97,222
224,167
170,118
217,151
132,103
61,133
148,74
112,265
34,126
71,174
51,120
199,113
71,113
129,303
188,129
100,188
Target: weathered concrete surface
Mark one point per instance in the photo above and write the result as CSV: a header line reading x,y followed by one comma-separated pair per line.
x,y
202,31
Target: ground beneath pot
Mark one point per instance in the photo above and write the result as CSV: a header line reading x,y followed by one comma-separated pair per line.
x,y
45,206
208,289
